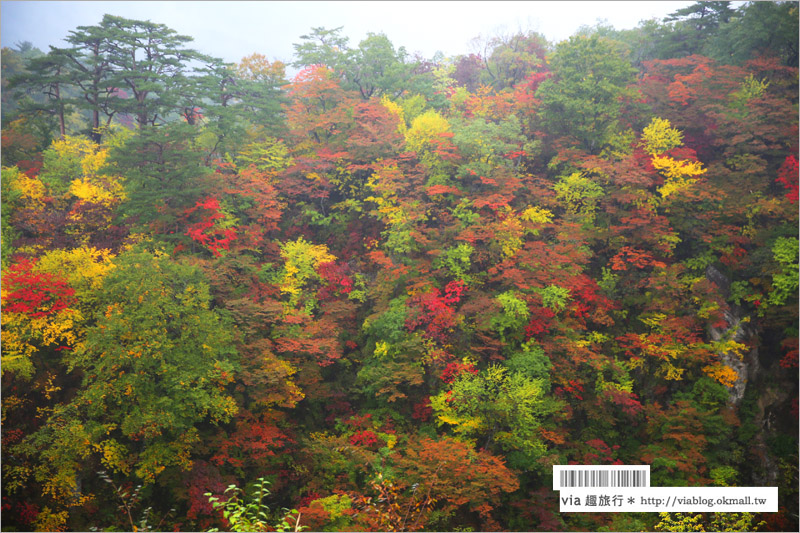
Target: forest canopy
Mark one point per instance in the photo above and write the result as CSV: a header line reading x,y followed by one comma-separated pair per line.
x,y
389,293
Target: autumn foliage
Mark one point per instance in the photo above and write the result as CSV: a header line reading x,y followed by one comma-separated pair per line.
x,y
397,291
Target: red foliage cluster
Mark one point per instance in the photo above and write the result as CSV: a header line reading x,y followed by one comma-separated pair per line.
x,y
36,294
453,291
30,168
534,79
314,516
630,255
540,323
788,177
253,440
598,453
789,360
456,368
434,310
359,421
655,344
573,387
338,282
192,115
435,190
422,410
627,401
337,408
516,154
444,147
202,479
314,406
216,239
734,257
583,296
317,339
495,202
25,512
365,438
12,436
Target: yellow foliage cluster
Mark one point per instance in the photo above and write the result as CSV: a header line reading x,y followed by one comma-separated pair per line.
x,y
512,229
269,155
671,372
482,105
156,459
397,111
537,215
673,186
655,320
93,161
256,67
91,186
666,354
72,145
48,520
24,336
721,373
680,175
509,236
382,181
387,207
84,268
382,349
579,193
680,522
114,456
229,410
659,136
106,194
31,190
424,129
302,260
386,200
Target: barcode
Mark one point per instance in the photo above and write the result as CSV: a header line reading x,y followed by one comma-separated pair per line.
x,y
603,478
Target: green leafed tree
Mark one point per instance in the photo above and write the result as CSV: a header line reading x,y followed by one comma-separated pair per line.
x,y
499,408
164,174
757,28
374,68
582,100
155,365
322,47
378,68
693,25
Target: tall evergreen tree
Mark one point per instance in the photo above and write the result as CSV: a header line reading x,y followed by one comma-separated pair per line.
x,y
151,63
90,70
46,75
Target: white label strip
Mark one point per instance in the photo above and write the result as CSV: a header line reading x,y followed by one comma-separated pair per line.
x,y
669,499
612,476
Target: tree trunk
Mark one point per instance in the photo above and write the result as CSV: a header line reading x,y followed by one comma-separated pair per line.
x,y
61,124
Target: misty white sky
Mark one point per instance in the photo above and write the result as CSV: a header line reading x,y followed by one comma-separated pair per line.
x,y
232,30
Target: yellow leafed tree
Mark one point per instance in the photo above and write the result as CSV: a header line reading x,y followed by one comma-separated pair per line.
x,y
302,261
659,137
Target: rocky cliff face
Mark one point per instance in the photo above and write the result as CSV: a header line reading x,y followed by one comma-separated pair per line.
x,y
756,369
746,367
739,330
